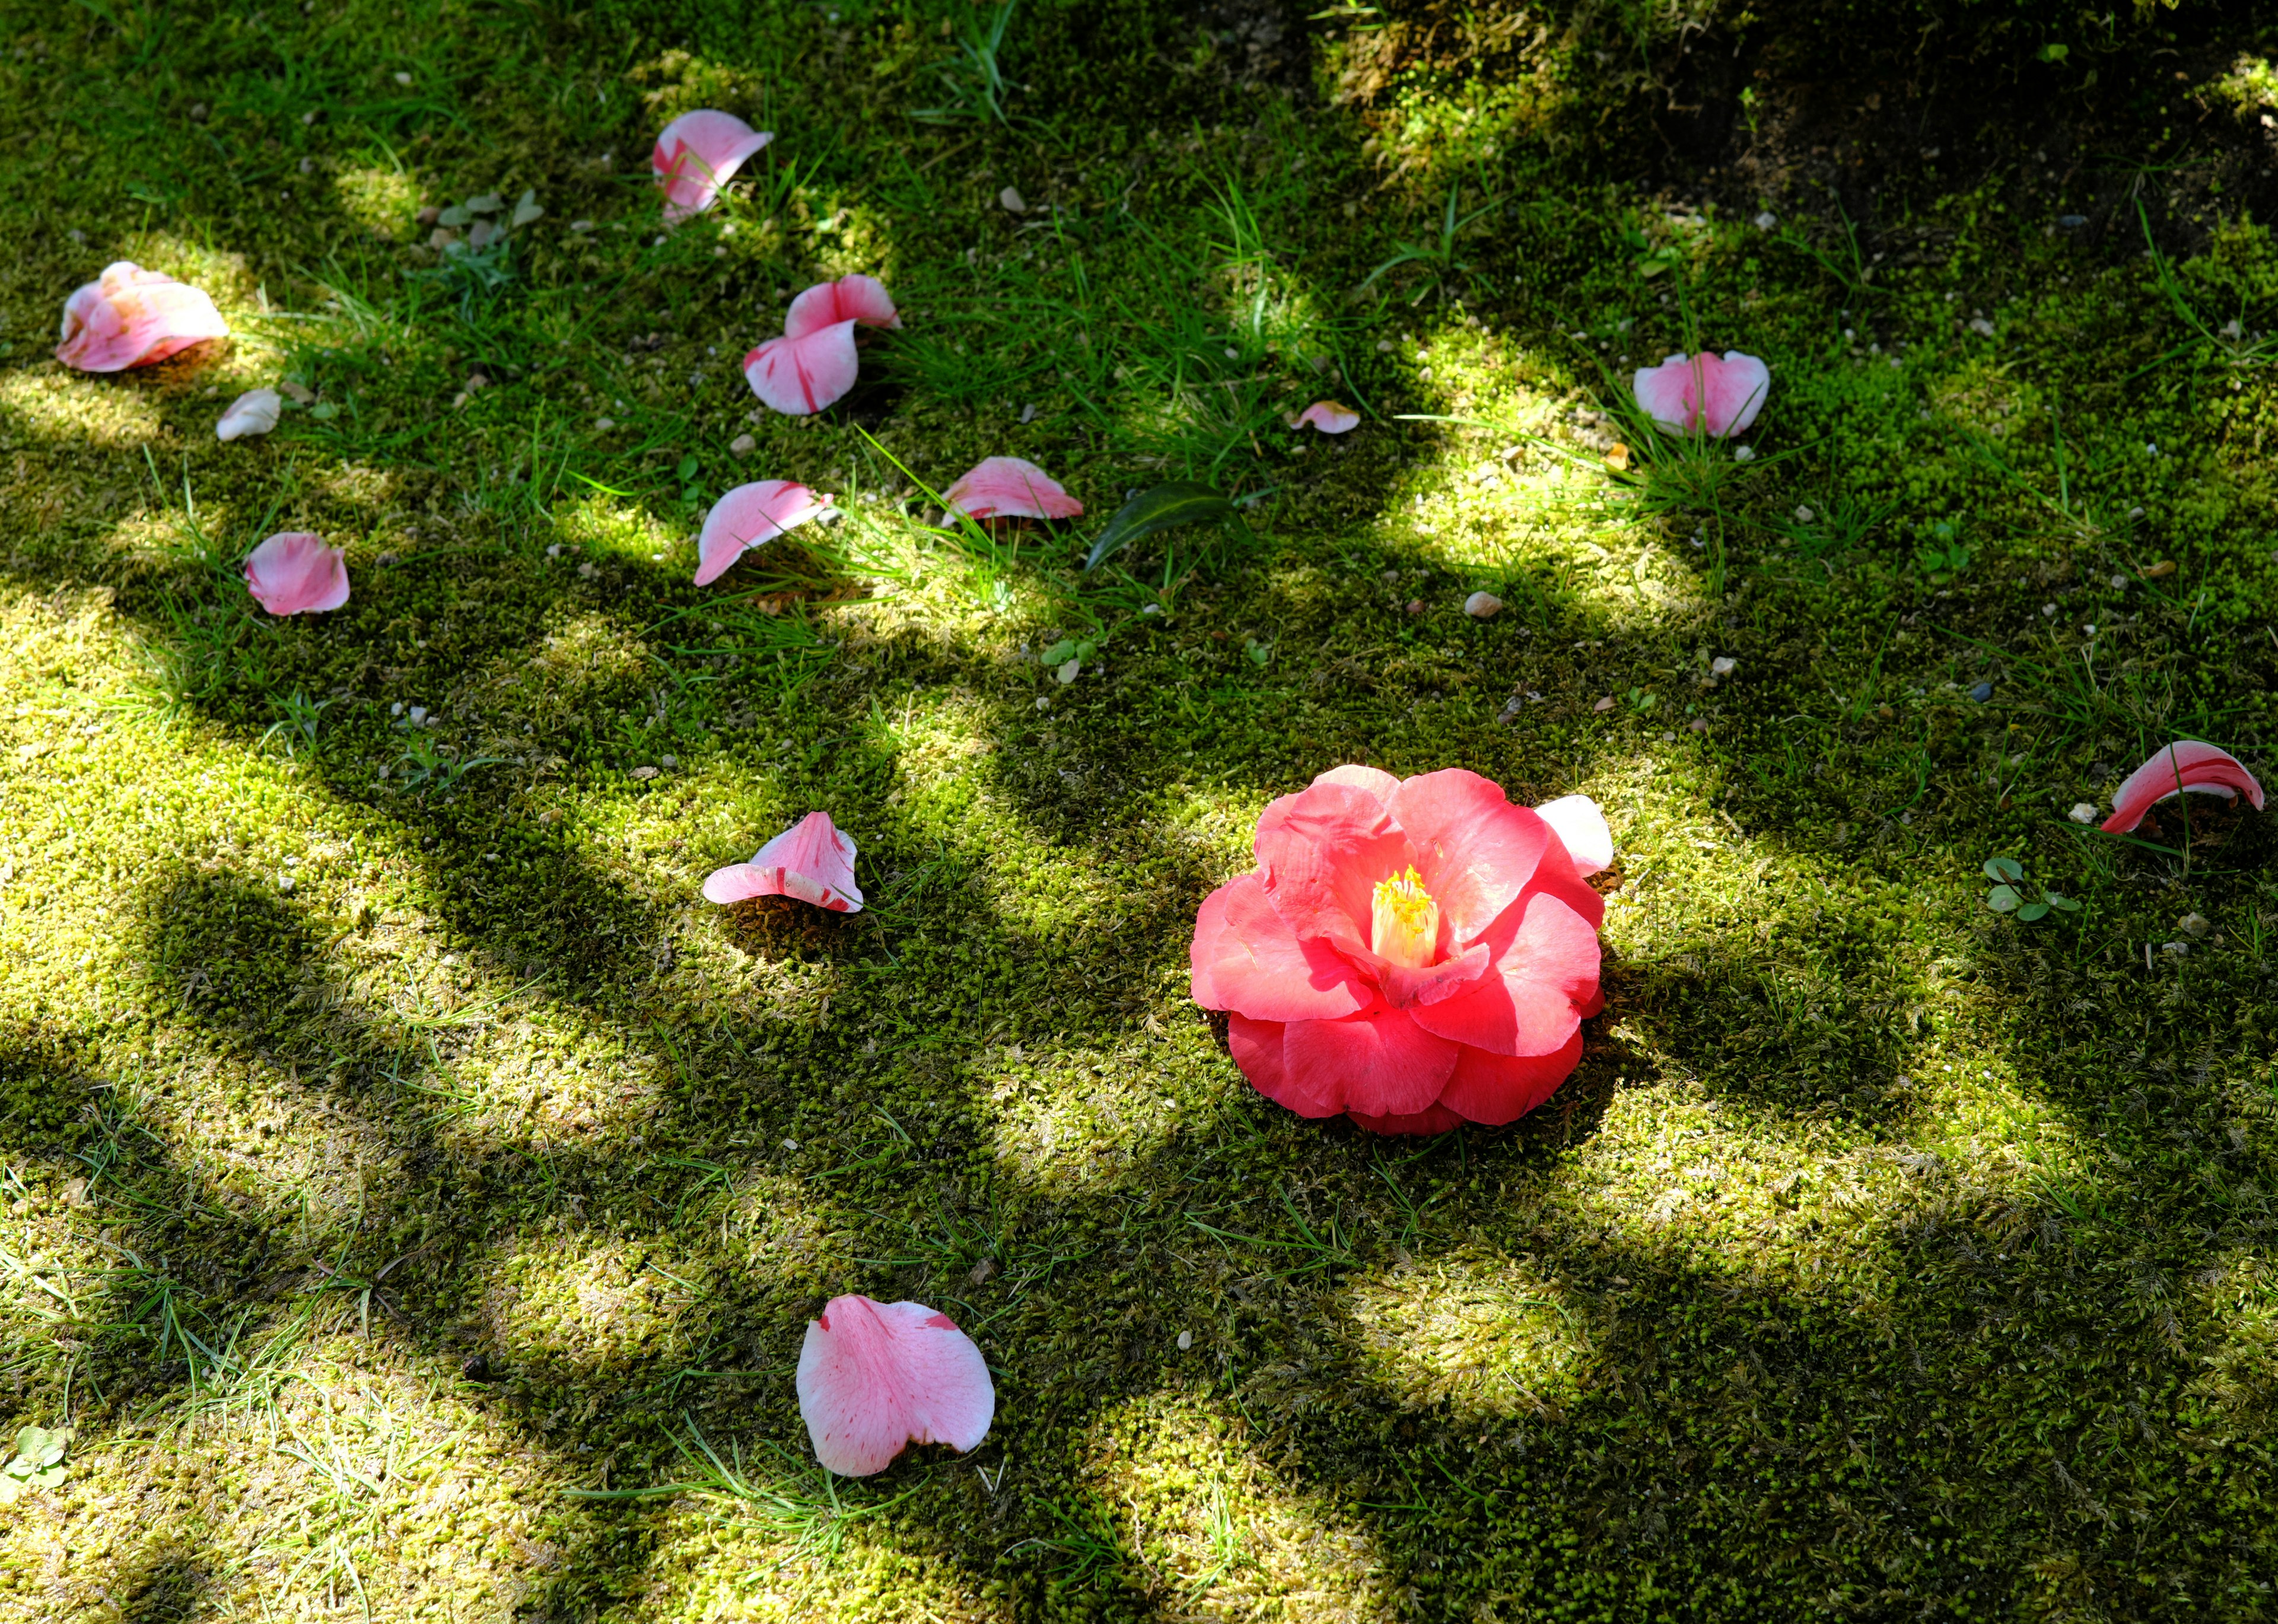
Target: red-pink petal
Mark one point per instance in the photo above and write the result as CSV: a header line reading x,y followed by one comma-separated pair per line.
x,y
1434,1118
697,154
804,374
296,573
134,318
1384,1063
850,299
746,517
1247,959
813,861
1493,1089
874,1376
1320,852
1581,828
2187,763
1528,1006
1474,849
1010,488
1255,1046
1328,417
1719,394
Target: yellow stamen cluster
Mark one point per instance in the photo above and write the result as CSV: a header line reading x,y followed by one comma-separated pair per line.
x,y
1404,922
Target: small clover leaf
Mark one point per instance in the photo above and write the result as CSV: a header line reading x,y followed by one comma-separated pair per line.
x,y
2003,899
2007,870
2033,911
2065,903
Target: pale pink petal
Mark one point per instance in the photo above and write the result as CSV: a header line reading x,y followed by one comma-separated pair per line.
x,y
1247,959
1581,827
874,1376
1736,390
1375,781
1328,417
1493,1089
134,318
813,861
804,374
296,573
750,516
697,154
850,299
1321,852
2185,765
253,412
1665,393
1383,1063
1720,394
1010,488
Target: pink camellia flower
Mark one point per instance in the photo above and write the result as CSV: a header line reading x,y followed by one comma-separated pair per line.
x,y
813,861
697,154
1721,395
813,363
749,516
296,573
1327,416
1010,488
1414,953
2184,765
874,1376
134,318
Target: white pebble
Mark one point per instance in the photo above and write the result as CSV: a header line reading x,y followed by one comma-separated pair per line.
x,y
1482,605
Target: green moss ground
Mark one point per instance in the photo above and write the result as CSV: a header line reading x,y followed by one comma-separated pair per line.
x,y
415,1194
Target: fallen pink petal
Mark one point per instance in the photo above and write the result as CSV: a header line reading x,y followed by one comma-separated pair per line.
x,y
850,299
750,516
1010,488
802,375
2185,765
813,861
253,412
697,154
1719,395
134,318
1327,416
875,1377
296,573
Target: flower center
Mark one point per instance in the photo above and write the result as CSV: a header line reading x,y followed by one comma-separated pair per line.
x,y
1404,922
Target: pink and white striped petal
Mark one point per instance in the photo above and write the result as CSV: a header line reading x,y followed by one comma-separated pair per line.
x,y
1010,488
1327,416
2185,765
800,376
697,154
253,412
850,299
876,1377
750,516
1719,394
812,861
134,318
296,573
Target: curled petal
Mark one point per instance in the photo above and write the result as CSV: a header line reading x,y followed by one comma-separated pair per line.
x,y
813,861
1530,1006
697,154
134,318
750,516
1719,394
1475,850
803,375
1328,417
850,299
1320,852
1581,828
874,1376
253,412
1382,1064
1010,488
2187,763
296,573
1247,959
1493,1089
1372,780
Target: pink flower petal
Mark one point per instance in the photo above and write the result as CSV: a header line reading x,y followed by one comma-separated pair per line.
x,y
1383,1064
1527,1007
253,412
813,861
750,516
134,318
1321,852
1328,417
1433,1118
1370,780
1718,394
2185,765
804,374
1010,488
697,154
1247,959
1493,1089
1581,828
874,1376
850,299
1475,850
296,573
1255,1046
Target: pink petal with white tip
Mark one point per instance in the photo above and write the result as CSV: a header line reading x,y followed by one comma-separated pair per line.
x,y
697,154
813,861
874,1376
253,412
1328,417
1581,827
1010,488
798,376
1718,394
296,573
134,318
850,299
2185,765
750,516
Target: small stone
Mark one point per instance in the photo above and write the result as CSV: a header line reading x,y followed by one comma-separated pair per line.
x,y
2176,950
1982,328
427,216
396,709
1186,1340
2119,583
643,773
1028,412
477,1367
604,424
2083,811
1482,605
587,570
1415,606
1606,704
2048,611
742,445
405,78
284,882
2194,925
1767,220
1804,515
1723,665
672,763
981,1271
553,549
1744,453
418,714
1983,692
1011,201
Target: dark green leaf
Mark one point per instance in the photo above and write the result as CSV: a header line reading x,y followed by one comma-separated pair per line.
x,y
2065,903
2001,899
2033,911
1172,503
2006,869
